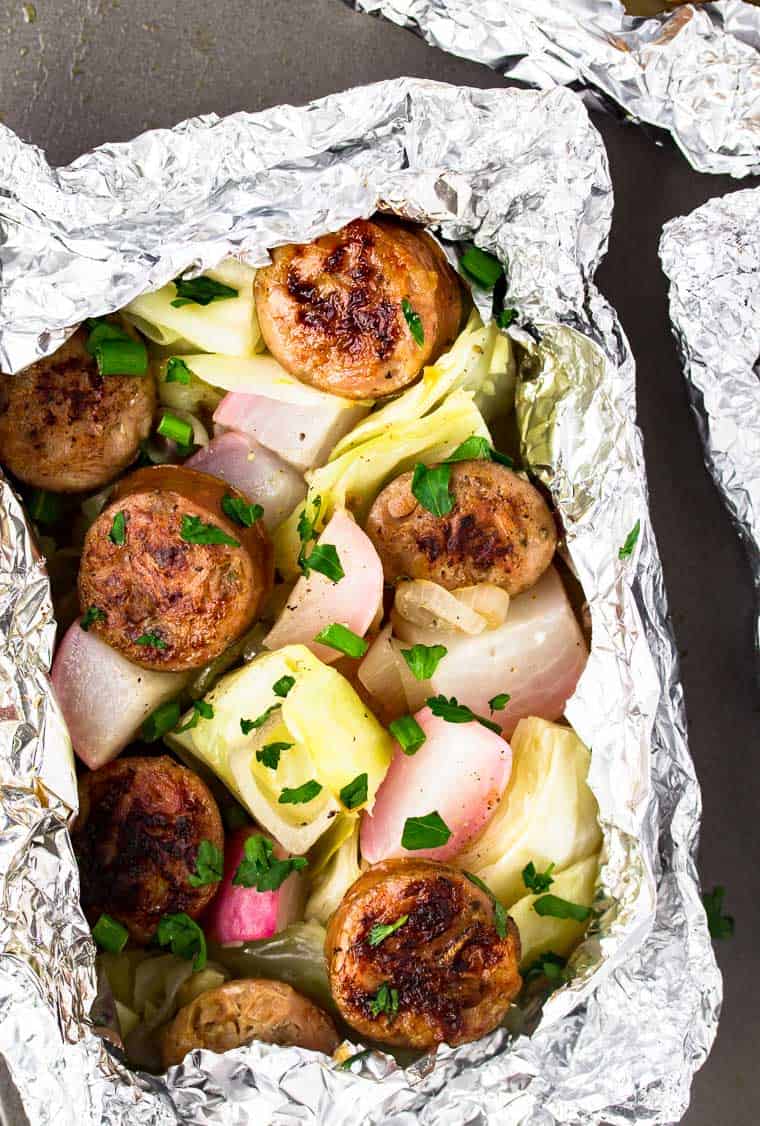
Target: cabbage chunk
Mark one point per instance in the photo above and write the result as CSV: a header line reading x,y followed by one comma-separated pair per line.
x,y
229,326
332,883
332,738
547,813
541,933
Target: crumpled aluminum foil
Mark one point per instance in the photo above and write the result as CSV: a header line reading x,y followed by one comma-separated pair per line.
x,y
694,72
524,174
712,258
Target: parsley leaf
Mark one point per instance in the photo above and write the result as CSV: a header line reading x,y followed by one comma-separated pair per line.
x,y
193,530
201,710
248,725
259,867
324,558
558,908
92,614
282,686
184,937
118,533
537,881
269,755
209,865
300,794
719,925
499,703
430,486
151,641
626,551
423,660
414,322
200,291
475,448
241,511
430,831
381,931
499,910
384,1001
454,712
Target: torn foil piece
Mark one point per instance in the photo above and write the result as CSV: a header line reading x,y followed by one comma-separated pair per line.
x,y
712,258
694,72
523,174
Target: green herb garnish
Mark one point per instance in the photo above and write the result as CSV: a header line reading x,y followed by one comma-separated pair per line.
x,y
164,718
484,268
201,710
269,755
209,865
175,429
343,639
423,660
558,908
381,931
323,558
453,712
200,291
477,449
118,533
259,867
549,965
384,1001
719,925
177,371
537,881
241,511
407,733
355,793
151,641
414,322
430,831
626,551
499,703
110,935
184,937
499,910
300,795
430,486
505,318
193,530
91,614
362,1055
122,357
282,686
248,725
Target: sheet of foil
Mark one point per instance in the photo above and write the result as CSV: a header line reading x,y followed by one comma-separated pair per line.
x,y
693,72
712,258
523,174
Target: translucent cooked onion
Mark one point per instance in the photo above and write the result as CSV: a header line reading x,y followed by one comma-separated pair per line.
x,y
423,603
379,673
487,600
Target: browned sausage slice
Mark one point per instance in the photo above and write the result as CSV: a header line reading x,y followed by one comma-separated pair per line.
x,y
444,975
140,825
241,1011
170,602
66,428
331,310
500,531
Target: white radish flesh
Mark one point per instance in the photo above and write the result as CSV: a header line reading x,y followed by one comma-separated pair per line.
x,y
255,471
316,602
460,772
103,696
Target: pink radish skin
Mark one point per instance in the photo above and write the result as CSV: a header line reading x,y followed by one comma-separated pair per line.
x,y
316,602
240,914
257,472
103,696
301,434
460,771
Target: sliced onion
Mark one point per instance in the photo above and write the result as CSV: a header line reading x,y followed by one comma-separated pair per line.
x,y
379,673
487,600
424,603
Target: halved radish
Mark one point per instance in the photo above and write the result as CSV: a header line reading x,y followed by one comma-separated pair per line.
x,y
258,473
240,914
316,601
103,696
460,772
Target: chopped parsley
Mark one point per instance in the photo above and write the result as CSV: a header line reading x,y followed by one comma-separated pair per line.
x,y
269,755
259,867
499,910
381,931
118,533
626,551
110,935
558,908
414,322
423,660
300,795
200,291
193,530
282,686
430,831
209,865
184,938
91,614
201,710
499,703
343,639
454,712
384,1001
475,448
430,486
241,511
151,641
248,725
323,558
537,882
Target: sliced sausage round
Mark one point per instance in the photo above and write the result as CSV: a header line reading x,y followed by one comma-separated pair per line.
x,y
444,975
342,313
171,596
140,825
500,530
238,1012
66,428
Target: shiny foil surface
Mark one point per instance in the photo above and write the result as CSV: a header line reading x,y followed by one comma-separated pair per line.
x,y
712,258
693,71
524,175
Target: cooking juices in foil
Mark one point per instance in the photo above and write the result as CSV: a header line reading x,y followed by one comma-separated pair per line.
x,y
523,175
694,71
712,258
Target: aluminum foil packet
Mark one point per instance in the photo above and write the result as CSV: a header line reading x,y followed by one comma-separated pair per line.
x,y
693,72
712,258
524,175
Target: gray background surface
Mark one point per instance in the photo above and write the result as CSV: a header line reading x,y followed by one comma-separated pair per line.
x,y
87,71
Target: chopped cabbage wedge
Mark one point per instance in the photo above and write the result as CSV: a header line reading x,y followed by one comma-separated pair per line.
x,y
354,479
332,739
228,326
334,880
541,933
547,813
